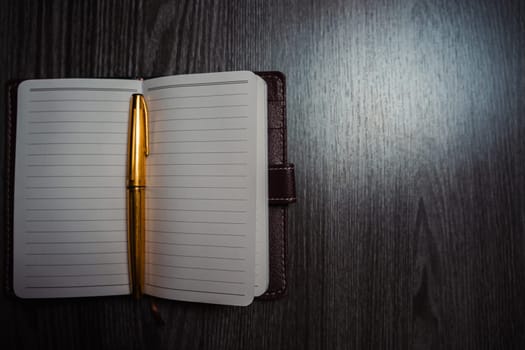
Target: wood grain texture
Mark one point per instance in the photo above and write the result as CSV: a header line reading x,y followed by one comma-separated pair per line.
x,y
407,126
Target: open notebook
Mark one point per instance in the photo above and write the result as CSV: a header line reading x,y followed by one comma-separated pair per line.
x,y
206,199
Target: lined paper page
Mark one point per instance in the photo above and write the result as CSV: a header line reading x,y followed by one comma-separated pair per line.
x,y
69,214
201,187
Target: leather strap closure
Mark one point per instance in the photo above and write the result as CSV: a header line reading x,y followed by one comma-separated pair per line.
x,y
281,187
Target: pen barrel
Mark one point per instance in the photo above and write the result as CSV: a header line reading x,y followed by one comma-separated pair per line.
x,y
136,238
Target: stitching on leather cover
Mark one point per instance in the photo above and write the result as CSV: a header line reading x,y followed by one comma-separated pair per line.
x,y
283,255
282,199
8,189
283,220
276,169
282,269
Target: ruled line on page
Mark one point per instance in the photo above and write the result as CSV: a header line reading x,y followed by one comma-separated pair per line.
x,y
202,140
72,242
74,154
203,245
202,199
109,112
74,165
74,176
187,130
75,122
202,152
195,268
196,107
184,85
204,187
72,220
197,222
76,253
76,275
77,111
77,133
192,279
79,115
196,175
69,187
73,197
197,256
72,209
195,96
194,290
76,143
71,231
76,100
81,264
175,163
77,286
82,89
198,233
199,210
197,118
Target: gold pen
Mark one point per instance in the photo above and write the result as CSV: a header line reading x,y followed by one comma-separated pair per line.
x,y
138,150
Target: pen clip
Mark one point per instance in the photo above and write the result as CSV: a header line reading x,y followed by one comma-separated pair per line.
x,y
146,126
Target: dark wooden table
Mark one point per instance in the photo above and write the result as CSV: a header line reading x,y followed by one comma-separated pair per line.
x,y
407,127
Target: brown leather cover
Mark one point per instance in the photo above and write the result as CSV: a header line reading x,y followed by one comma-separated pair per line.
x,y
281,182
281,185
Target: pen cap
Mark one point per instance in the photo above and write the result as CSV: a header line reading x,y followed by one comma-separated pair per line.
x,y
138,147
